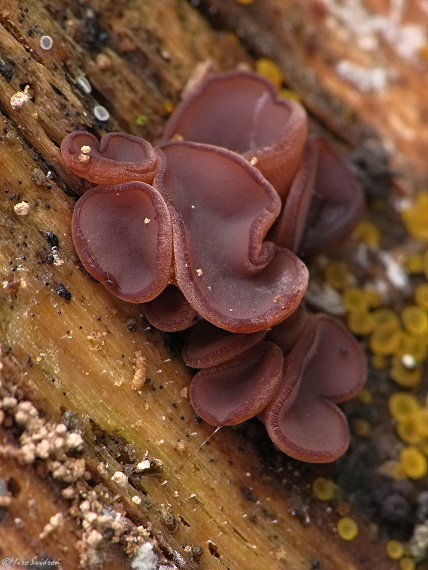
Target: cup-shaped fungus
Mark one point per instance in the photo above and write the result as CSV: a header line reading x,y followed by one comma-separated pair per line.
x,y
238,389
170,311
243,112
123,237
116,158
337,203
326,366
207,345
221,209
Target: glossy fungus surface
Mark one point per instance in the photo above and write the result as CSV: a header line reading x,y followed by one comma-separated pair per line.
x,y
326,366
207,228
122,234
242,112
238,389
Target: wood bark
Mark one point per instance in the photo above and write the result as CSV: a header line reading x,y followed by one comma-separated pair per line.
x,y
78,354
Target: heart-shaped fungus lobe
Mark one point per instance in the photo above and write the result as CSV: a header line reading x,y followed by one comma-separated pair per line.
x,y
170,311
207,345
221,209
337,204
325,366
115,159
242,111
239,389
123,237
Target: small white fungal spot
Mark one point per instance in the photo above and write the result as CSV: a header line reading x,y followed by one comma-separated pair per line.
x,y
254,160
84,153
199,272
46,42
84,84
120,478
20,98
136,500
22,208
142,466
147,220
101,113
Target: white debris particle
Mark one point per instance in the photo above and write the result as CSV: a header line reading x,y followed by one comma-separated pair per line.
x,y
395,273
22,209
254,160
46,42
183,392
199,272
84,84
20,98
145,558
408,361
367,80
101,113
143,465
120,478
147,220
136,500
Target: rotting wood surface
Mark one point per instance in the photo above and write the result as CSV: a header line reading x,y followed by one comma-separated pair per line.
x,y
74,351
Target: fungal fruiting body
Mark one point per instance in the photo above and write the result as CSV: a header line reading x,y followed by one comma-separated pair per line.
x,y
207,228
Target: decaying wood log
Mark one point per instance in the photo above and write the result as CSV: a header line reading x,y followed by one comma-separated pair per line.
x,y
72,355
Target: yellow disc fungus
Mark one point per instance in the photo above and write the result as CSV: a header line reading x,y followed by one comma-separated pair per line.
x,y
366,232
413,345
355,299
413,462
347,528
415,217
403,405
395,549
360,322
408,431
421,419
386,318
421,295
336,274
362,427
385,341
403,375
365,396
413,263
270,70
323,488
407,563
415,320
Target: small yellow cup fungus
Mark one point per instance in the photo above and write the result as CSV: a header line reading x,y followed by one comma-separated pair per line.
x,y
270,70
413,462
421,419
386,318
414,346
347,528
415,217
407,563
323,488
403,406
385,340
408,431
355,299
414,263
336,274
366,232
362,427
403,375
395,549
415,320
421,295
360,322
365,396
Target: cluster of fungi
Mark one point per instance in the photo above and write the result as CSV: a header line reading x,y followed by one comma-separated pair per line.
x,y
207,231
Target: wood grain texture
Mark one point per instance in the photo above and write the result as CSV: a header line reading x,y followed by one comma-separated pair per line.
x,y
245,504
